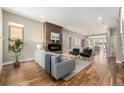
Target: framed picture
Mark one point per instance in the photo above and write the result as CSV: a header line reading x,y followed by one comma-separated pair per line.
x,y
15,32
55,36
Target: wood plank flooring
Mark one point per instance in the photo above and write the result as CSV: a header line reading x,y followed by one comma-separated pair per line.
x,y
103,72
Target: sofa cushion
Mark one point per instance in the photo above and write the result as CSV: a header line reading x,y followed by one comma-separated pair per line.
x,y
59,59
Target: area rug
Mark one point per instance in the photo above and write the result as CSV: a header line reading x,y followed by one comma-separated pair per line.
x,y
80,65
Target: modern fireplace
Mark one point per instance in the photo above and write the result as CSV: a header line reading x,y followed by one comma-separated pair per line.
x,y
54,47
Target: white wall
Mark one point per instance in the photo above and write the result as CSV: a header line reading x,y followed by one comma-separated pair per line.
x,y
1,41
111,42
32,35
120,56
74,36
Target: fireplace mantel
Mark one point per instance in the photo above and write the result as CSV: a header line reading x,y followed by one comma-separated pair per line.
x,y
54,47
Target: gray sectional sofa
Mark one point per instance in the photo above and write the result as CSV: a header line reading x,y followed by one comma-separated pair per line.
x,y
61,68
53,64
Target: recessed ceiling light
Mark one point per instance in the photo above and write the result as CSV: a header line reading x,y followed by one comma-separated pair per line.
x,y
42,16
99,18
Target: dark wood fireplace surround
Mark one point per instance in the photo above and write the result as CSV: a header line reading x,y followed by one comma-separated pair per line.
x,y
52,45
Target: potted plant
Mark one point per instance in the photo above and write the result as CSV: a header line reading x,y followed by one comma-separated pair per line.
x,y
16,46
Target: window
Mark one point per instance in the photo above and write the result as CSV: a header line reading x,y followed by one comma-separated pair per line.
x,y
15,31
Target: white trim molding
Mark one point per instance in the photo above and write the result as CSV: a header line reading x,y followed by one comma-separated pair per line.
x,y
22,60
117,61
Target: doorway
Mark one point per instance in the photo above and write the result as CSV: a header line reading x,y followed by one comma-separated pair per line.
x,y
98,43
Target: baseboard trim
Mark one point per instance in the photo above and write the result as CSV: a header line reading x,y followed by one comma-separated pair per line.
x,y
22,60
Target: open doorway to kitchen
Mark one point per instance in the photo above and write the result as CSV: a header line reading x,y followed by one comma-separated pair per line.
x,y
98,43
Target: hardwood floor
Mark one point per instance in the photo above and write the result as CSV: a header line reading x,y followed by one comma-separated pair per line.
x,y
103,72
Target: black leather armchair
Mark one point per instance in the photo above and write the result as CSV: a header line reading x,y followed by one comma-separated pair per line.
x,y
86,53
75,51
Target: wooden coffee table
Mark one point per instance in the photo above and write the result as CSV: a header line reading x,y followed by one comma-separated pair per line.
x,y
69,56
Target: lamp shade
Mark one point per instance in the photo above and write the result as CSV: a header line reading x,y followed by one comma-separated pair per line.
x,y
39,46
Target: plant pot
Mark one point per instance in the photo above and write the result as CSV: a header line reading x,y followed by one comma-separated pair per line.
x,y
16,64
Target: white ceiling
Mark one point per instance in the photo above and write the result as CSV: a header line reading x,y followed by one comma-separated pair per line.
x,y
79,19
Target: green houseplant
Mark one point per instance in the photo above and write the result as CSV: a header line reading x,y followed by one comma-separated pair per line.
x,y
16,46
